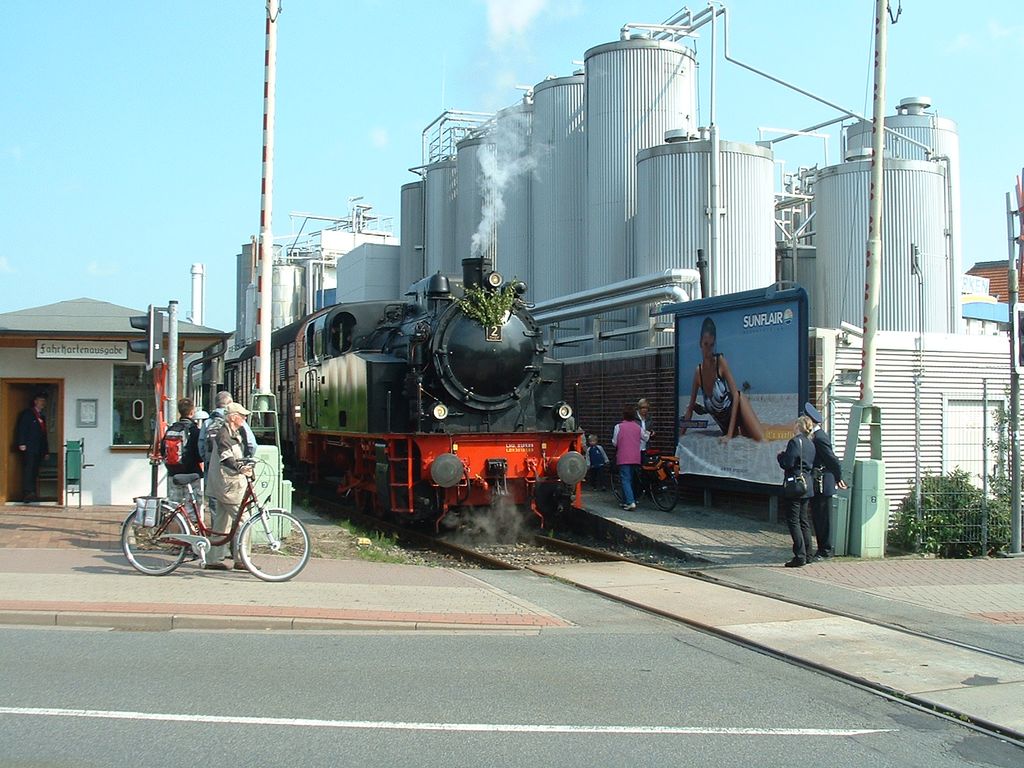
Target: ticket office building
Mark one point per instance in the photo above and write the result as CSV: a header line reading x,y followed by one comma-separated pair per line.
x,y
99,398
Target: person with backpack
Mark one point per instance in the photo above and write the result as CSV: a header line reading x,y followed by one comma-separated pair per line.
x,y
180,449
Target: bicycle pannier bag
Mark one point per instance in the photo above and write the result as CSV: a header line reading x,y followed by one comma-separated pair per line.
x,y
147,511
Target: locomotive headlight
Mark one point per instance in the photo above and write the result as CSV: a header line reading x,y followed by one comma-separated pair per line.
x,y
572,467
439,411
563,411
494,279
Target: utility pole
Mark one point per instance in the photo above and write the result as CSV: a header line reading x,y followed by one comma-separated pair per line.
x,y
868,506
264,275
873,269
1014,240
171,411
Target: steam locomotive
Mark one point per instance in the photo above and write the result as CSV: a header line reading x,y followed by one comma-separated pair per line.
x,y
437,406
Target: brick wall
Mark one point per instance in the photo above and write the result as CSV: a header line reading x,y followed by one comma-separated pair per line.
x,y
599,388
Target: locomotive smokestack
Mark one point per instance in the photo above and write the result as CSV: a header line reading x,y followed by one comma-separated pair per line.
x,y
473,272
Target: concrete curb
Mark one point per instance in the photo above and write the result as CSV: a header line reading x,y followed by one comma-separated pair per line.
x,y
157,622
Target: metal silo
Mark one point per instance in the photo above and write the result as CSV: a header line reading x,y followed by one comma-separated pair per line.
x,y
672,212
411,267
914,215
245,306
289,289
515,161
636,90
941,136
558,188
473,153
440,186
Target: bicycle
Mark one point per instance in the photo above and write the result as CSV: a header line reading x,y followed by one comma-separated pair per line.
x,y
272,543
657,477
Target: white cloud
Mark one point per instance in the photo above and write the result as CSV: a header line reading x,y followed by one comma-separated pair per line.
x,y
998,31
508,20
96,269
379,137
14,153
962,42
5,266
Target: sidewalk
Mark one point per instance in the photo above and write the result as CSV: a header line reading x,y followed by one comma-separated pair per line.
x,y
979,601
46,551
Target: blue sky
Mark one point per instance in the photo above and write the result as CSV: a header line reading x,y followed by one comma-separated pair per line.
x,y
130,131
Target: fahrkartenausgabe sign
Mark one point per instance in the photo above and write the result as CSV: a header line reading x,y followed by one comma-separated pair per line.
x,y
65,349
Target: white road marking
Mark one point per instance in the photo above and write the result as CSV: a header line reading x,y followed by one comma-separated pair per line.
x,y
656,730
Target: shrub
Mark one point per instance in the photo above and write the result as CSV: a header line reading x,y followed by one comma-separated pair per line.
x,y
951,517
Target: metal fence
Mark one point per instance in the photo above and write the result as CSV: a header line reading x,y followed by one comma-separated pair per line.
x,y
964,510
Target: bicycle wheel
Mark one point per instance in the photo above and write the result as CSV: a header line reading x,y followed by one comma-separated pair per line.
x,y
665,492
273,545
616,479
147,548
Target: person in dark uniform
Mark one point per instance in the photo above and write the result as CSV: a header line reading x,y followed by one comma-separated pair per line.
x,y
799,457
31,441
828,475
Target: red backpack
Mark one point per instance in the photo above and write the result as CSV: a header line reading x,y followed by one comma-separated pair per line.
x,y
174,443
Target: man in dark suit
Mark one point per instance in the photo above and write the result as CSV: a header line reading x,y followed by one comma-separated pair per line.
x,y
828,475
31,441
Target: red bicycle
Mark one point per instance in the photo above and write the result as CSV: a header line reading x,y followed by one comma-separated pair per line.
x,y
158,535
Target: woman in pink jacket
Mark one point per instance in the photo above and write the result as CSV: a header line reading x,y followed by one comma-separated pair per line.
x,y
626,437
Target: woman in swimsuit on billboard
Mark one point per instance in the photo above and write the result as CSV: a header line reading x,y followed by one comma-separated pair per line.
x,y
722,399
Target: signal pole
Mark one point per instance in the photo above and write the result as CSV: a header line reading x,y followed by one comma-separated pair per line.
x,y
264,275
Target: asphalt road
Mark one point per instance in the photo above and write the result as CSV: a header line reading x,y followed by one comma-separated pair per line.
x,y
636,690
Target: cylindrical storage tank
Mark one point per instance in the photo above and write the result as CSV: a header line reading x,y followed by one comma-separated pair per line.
x,y
512,137
411,267
289,288
472,223
672,211
914,198
245,292
558,188
940,133
439,195
636,90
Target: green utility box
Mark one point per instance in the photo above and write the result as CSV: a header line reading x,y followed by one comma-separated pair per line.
x,y
869,509
840,522
269,479
73,462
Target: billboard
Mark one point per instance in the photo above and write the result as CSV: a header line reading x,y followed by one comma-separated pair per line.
x,y
741,381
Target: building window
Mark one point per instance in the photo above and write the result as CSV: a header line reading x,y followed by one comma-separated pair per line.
x,y
133,406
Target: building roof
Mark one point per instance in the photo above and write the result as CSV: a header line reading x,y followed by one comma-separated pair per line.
x,y
95,319
997,273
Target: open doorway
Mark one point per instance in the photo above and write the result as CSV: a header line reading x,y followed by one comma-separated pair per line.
x,y
15,396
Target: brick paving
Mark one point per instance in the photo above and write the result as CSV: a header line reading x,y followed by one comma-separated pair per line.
x,y
983,589
52,527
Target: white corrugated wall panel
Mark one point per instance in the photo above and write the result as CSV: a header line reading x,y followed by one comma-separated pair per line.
x,y
953,372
